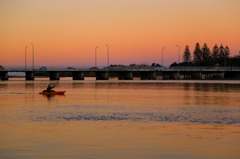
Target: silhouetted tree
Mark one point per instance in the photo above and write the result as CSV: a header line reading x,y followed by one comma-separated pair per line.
x,y
227,51
221,55
215,55
175,64
186,55
234,61
226,55
197,54
205,55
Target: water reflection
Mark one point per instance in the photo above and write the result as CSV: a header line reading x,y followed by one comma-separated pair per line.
x,y
29,86
49,97
119,119
187,86
3,86
77,85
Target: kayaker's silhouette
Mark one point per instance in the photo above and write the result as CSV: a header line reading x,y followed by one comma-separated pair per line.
x,y
50,92
49,88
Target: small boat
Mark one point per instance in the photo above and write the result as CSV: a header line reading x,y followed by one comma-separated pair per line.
x,y
52,93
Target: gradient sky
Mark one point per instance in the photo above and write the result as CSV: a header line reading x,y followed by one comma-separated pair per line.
x,y
66,32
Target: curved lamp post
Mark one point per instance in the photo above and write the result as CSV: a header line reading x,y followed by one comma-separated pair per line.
x,y
178,55
96,56
162,55
107,54
26,57
32,56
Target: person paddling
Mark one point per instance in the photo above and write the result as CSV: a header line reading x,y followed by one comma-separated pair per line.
x,y
49,88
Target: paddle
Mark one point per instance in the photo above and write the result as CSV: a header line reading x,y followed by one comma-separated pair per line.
x,y
56,83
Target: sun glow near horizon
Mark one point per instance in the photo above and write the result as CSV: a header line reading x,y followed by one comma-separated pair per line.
x,y
67,32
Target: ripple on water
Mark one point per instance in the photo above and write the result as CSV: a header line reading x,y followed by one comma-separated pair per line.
x,y
106,113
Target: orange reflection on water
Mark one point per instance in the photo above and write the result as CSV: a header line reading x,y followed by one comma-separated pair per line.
x,y
111,139
114,119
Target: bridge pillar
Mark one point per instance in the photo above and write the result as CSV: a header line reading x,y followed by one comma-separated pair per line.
x,y
197,75
29,75
181,77
125,75
210,76
4,75
54,75
148,75
165,76
174,75
77,75
222,75
187,76
101,75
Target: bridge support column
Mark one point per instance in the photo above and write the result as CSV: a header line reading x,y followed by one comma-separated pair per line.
x,y
164,76
77,75
148,75
210,76
4,75
207,75
29,75
54,75
125,75
222,75
101,75
181,77
187,76
197,75
177,75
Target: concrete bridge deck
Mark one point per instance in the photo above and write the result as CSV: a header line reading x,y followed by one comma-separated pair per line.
x,y
129,73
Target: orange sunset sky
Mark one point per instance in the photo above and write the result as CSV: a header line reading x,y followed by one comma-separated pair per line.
x,y
66,32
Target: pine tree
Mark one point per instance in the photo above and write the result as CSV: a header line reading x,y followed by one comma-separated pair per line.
x,y
215,54
226,52
226,55
205,54
197,54
221,55
187,55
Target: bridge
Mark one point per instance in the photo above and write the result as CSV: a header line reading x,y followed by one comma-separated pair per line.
x,y
127,73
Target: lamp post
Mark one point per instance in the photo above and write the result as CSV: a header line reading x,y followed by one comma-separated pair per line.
x,y
178,55
32,56
107,54
162,55
25,58
96,56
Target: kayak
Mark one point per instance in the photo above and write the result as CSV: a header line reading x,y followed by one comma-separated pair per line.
x,y
52,93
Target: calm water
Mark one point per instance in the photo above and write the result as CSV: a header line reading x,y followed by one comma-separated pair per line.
x,y
120,119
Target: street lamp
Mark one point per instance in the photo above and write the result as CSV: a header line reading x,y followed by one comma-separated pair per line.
x,y
162,55
32,56
96,56
25,58
178,55
108,52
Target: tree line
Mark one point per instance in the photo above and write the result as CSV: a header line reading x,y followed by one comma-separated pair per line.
x,y
203,56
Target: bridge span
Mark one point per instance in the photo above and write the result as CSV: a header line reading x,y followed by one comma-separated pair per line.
x,y
178,73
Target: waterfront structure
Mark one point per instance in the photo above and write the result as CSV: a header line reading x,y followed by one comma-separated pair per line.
x,y
199,73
